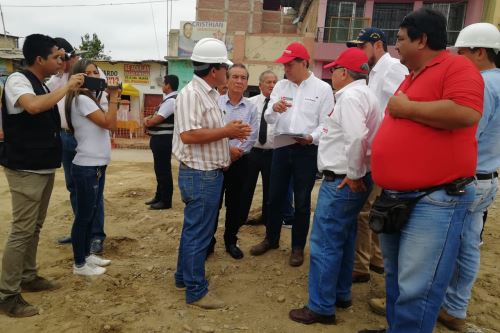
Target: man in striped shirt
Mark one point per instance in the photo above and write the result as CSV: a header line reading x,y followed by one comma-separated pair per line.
x,y
201,144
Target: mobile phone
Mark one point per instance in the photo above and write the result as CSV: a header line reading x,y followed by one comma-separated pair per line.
x,y
94,83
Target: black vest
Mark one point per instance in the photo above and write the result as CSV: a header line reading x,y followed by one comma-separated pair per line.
x,y
32,141
165,125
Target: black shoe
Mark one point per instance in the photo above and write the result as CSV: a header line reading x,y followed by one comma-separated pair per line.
x,y
234,251
64,240
160,205
16,306
377,269
343,304
373,331
152,201
257,221
96,247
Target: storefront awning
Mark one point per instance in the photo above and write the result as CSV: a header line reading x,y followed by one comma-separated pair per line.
x,y
130,90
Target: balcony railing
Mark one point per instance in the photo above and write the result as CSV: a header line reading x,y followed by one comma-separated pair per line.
x,y
342,29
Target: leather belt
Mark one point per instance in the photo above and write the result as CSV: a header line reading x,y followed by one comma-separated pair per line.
x,y
331,176
486,176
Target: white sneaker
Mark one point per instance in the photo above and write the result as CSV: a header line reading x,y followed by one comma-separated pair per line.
x,y
97,261
88,270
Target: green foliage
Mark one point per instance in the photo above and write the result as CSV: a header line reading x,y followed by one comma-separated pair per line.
x,y
93,47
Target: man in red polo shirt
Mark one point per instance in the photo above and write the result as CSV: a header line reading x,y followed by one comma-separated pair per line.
x,y
426,140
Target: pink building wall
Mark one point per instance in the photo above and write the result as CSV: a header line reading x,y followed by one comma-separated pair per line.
x,y
326,52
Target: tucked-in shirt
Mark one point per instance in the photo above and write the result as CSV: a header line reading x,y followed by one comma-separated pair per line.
x,y
196,107
408,155
259,101
245,111
17,85
385,77
311,102
488,131
167,108
344,146
93,142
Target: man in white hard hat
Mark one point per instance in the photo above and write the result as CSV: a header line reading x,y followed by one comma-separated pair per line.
x,y
479,42
201,144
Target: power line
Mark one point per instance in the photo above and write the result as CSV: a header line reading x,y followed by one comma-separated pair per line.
x,y
156,35
88,5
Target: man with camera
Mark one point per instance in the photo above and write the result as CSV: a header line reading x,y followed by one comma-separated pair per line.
x,y
201,144
30,154
344,159
161,128
424,158
70,57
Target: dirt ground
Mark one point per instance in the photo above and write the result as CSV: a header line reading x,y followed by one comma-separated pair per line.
x,y
137,293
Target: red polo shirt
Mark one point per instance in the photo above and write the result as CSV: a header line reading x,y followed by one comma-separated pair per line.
x,y
407,155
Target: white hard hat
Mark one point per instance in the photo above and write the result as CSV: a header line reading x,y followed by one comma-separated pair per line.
x,y
210,51
479,35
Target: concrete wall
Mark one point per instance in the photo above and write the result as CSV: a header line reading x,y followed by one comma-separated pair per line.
x,y
8,42
491,12
183,69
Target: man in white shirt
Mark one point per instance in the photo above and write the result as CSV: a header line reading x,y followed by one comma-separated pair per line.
x,y
30,155
344,159
297,109
161,128
385,76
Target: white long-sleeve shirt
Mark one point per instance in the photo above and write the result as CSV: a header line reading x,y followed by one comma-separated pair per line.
x,y
385,77
311,101
345,145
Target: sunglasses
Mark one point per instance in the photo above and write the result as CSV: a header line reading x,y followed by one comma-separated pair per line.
x,y
333,69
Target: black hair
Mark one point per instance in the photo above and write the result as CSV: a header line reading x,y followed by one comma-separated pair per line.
x,y
206,68
301,60
238,65
184,25
37,45
172,80
429,22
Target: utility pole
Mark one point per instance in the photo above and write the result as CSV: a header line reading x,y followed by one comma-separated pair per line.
x,y
3,23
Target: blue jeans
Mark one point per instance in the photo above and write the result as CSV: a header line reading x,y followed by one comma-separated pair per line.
x,y
332,242
200,191
89,186
419,260
68,154
467,265
297,162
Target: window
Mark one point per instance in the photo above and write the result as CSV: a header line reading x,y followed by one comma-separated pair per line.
x,y
388,17
344,20
455,16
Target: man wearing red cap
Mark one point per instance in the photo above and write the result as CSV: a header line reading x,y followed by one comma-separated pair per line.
x,y
298,106
344,159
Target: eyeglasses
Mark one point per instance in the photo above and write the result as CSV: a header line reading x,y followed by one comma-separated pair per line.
x,y
333,69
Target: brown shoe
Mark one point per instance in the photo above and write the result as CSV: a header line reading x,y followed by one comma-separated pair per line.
x,y
306,316
16,306
39,284
209,302
377,305
453,323
262,247
296,257
360,277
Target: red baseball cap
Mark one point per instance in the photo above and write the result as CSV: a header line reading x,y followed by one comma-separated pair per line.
x,y
352,59
292,51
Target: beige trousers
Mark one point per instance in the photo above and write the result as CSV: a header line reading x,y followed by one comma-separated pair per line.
x,y
367,244
30,200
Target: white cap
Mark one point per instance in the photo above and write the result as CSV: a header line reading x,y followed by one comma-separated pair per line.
x,y
210,51
484,35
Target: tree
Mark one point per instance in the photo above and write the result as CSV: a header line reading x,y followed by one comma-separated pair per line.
x,y
94,48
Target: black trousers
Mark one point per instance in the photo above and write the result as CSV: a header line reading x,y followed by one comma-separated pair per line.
x,y
259,161
161,146
232,195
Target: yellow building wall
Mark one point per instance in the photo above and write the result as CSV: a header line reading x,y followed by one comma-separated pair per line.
x,y
491,12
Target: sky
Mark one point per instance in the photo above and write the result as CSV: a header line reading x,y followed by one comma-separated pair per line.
x,y
127,31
